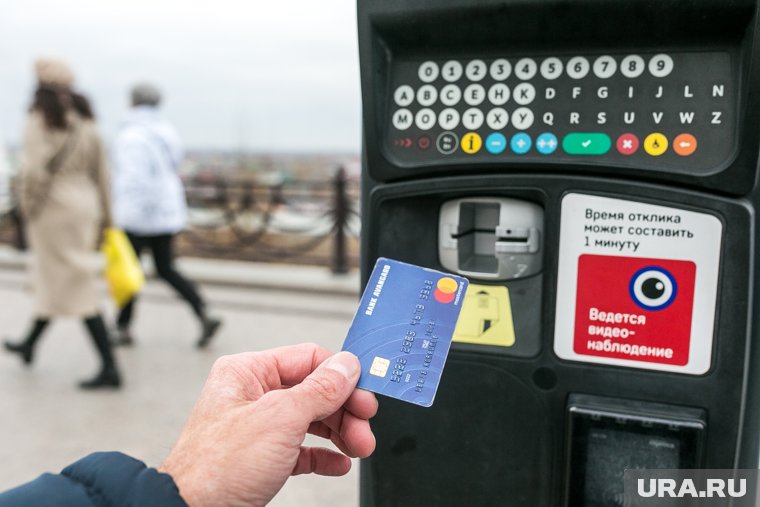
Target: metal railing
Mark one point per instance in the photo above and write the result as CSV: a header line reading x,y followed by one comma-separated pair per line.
x,y
297,221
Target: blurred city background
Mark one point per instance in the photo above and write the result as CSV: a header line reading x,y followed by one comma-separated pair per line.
x,y
266,100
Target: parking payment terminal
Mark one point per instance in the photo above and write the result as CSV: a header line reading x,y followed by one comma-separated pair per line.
x,y
592,168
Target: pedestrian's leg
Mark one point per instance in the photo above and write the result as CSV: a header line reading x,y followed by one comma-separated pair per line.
x,y
26,347
109,374
163,255
124,320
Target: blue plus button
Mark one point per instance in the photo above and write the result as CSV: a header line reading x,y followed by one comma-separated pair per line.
x,y
496,143
546,143
520,143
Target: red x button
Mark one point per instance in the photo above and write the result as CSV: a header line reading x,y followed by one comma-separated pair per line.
x,y
627,144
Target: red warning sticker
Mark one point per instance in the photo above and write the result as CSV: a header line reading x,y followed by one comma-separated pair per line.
x,y
634,308
637,284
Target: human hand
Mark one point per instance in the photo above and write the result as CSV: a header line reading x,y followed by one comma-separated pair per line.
x,y
244,436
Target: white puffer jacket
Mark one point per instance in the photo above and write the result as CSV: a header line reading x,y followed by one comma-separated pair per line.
x,y
148,197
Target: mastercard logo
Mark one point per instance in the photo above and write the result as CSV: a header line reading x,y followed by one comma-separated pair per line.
x,y
445,290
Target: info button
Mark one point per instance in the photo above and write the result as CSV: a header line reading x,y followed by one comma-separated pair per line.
x,y
592,143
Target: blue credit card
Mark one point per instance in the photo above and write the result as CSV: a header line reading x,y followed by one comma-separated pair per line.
x,y
402,329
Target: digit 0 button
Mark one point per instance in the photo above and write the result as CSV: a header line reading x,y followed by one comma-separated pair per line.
x,y
655,144
471,143
428,72
586,143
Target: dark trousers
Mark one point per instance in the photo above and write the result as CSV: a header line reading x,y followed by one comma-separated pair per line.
x,y
163,257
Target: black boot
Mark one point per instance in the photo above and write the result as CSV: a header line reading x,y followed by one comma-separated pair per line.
x,y
122,337
108,377
209,327
26,347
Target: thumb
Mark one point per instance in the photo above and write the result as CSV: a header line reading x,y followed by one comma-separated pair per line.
x,y
328,387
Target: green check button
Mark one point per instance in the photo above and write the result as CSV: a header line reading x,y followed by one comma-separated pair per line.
x,y
592,143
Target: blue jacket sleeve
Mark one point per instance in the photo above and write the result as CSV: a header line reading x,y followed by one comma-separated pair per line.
x,y
100,479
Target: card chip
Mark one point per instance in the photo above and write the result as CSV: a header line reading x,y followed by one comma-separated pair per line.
x,y
379,367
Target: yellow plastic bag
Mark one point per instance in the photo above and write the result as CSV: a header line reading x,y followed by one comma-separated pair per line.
x,y
123,272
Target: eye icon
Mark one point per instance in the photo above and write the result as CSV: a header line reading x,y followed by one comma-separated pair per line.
x,y
653,288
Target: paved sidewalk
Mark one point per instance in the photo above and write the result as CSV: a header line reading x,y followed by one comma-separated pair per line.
x,y
47,422
235,273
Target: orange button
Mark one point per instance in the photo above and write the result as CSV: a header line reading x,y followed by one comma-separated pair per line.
x,y
685,144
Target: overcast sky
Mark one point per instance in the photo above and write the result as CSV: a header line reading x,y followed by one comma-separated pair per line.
x,y
263,76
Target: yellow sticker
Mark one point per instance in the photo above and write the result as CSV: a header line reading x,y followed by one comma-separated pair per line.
x,y
486,317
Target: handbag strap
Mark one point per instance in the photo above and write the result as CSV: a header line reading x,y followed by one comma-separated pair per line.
x,y
56,161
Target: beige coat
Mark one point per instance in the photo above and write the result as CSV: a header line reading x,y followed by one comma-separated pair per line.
x,y
63,213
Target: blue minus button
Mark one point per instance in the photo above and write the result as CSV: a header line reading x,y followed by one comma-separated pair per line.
x,y
496,143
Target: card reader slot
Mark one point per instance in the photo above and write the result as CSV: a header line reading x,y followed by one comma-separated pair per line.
x,y
491,237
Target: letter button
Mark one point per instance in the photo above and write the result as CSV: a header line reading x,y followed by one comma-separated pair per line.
x,y
524,93
402,119
450,95
522,118
404,95
474,94
425,119
427,95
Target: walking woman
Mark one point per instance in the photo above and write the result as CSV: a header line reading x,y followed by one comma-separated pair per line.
x,y
64,198
149,202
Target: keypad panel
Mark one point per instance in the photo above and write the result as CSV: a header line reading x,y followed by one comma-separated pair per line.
x,y
662,111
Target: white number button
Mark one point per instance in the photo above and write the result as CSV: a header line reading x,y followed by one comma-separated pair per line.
x,y
497,118
551,68
501,69
427,95
526,68
472,119
524,93
522,118
577,67
660,65
498,94
474,94
428,72
451,71
402,119
448,119
605,67
475,70
450,95
425,119
632,66
404,95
